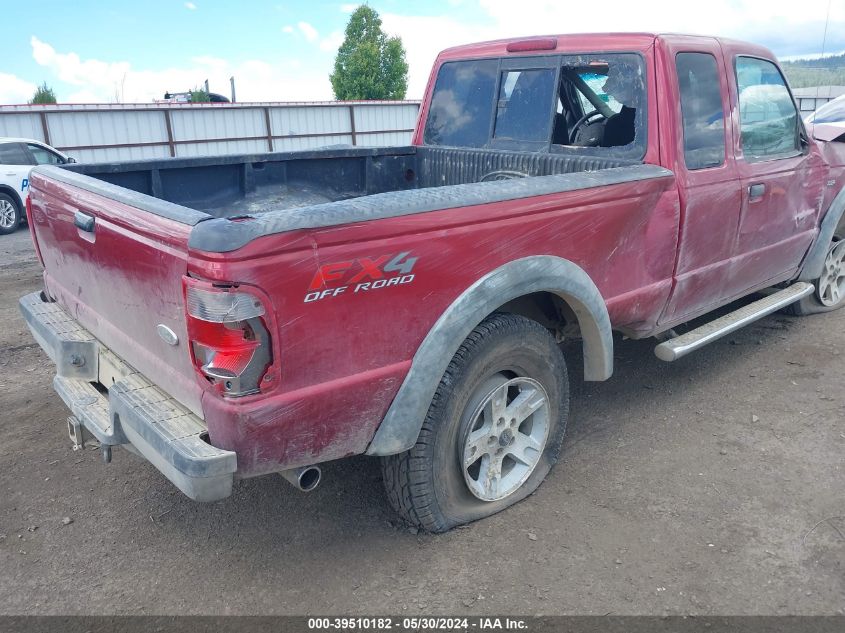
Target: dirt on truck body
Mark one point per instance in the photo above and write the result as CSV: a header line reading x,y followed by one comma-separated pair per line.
x,y
228,317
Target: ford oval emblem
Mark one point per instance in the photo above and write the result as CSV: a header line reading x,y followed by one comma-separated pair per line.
x,y
167,335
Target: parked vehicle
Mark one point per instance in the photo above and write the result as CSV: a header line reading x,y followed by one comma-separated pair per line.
x,y
185,97
234,316
17,158
828,122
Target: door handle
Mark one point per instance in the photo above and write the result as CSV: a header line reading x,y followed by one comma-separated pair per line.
x,y
756,190
84,222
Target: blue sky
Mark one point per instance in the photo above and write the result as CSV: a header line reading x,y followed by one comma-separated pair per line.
x,y
133,51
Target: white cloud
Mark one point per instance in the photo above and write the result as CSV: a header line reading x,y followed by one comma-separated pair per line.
x,y
256,80
85,96
191,6
424,37
778,24
15,90
331,43
68,67
308,31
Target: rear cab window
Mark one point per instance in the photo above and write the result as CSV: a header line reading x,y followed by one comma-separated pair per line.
x,y
592,104
524,107
460,112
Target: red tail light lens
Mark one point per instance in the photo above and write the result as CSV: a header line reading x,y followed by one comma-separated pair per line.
x,y
30,222
230,344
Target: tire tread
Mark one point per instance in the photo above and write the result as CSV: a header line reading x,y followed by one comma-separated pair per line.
x,y
405,474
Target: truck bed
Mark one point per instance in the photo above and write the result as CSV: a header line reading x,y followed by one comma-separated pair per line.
x,y
253,184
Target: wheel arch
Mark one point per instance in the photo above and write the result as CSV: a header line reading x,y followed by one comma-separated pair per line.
x,y
811,269
10,191
527,276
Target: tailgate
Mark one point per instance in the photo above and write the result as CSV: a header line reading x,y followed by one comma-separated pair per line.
x,y
114,260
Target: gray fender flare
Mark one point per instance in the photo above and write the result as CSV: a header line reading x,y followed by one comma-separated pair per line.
x,y
814,261
543,273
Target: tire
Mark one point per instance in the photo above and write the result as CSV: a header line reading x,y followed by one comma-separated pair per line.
x,y
833,277
506,355
10,214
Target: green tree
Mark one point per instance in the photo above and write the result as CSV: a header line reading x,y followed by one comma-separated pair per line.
x,y
43,95
199,95
369,65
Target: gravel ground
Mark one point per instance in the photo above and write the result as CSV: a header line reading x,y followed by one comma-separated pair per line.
x,y
713,485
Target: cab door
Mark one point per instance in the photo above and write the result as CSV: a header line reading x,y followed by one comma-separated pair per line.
x,y
699,151
779,173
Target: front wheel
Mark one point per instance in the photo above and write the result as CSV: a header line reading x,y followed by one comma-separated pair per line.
x,y
493,430
10,214
830,286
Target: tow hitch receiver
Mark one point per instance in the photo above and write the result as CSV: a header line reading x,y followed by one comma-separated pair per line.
x,y
78,434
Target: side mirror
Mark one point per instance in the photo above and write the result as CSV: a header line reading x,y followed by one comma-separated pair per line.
x,y
71,160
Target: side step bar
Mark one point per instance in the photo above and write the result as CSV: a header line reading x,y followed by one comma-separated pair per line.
x,y
682,345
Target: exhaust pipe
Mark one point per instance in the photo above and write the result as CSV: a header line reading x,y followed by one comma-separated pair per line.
x,y
305,478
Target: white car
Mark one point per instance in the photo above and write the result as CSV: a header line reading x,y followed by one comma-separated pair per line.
x,y
17,158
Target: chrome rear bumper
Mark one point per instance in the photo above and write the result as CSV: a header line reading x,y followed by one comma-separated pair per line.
x,y
127,409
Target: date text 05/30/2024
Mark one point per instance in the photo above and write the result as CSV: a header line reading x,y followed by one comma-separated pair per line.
x,y
456,624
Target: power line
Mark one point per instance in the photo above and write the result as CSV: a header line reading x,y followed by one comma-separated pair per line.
x,y
824,37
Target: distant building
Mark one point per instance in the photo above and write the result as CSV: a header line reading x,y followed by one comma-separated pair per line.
x,y
811,98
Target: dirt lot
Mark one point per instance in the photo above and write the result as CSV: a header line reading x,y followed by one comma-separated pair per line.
x,y
710,486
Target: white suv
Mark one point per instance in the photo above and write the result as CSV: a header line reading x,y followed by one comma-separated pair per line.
x,y
17,158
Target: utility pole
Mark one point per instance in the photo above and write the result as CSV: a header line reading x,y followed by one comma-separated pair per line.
x,y
232,82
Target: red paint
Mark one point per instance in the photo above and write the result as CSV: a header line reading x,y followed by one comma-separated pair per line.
x,y
660,251
533,44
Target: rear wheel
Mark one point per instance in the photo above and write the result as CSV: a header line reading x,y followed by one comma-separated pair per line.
x,y
10,214
830,286
493,430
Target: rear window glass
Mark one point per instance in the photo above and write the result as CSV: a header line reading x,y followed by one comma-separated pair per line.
x,y
524,109
13,154
461,105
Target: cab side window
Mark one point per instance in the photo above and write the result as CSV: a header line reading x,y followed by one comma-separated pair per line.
x,y
44,156
767,114
701,108
14,154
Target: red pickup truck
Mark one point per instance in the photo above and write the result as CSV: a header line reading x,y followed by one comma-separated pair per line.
x,y
232,316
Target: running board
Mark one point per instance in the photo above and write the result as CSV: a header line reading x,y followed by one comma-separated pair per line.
x,y
682,345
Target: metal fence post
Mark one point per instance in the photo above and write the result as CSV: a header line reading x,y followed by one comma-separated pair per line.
x,y
352,123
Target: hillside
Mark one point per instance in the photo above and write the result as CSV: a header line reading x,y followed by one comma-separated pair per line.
x,y
803,73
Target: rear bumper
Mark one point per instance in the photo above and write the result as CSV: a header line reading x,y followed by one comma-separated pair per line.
x,y
119,406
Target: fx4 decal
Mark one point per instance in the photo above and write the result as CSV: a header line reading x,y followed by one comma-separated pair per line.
x,y
361,275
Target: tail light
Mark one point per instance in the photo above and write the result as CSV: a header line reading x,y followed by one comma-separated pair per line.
x,y
230,344
31,225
